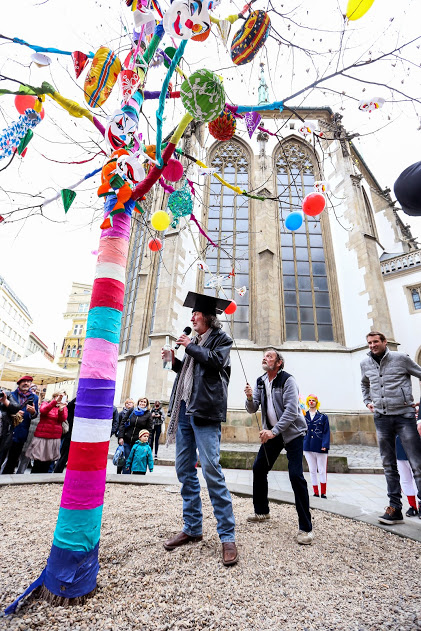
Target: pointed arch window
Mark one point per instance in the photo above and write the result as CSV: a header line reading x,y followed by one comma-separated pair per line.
x,y
228,226
306,300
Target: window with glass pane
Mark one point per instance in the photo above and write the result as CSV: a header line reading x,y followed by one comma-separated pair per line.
x,y
416,297
228,225
138,239
306,302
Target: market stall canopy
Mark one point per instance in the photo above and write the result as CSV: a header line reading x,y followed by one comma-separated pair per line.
x,y
39,367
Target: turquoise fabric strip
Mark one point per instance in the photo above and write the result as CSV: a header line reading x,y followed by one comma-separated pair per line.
x,y
104,323
78,529
159,114
276,105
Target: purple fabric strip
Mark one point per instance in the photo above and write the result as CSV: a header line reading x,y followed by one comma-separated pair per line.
x,y
99,125
95,398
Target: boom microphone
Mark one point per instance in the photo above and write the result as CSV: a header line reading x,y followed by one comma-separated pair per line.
x,y
186,331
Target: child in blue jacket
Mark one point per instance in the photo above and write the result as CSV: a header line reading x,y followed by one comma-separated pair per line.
x,y
140,457
316,444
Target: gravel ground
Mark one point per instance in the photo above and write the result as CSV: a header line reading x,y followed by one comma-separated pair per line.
x,y
354,578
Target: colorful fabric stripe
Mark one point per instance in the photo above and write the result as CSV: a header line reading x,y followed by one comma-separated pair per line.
x,y
113,250
91,430
108,293
110,270
78,529
101,77
104,323
84,489
88,456
100,359
71,573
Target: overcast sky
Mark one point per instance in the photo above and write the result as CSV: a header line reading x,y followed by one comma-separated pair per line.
x,y
40,258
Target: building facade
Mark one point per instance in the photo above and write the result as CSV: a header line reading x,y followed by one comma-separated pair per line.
x,y
77,314
15,323
313,293
35,345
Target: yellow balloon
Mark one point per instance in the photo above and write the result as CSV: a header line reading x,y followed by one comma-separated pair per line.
x,y
357,8
160,220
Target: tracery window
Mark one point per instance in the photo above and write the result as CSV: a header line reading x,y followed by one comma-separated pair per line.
x,y
306,300
138,240
416,297
228,226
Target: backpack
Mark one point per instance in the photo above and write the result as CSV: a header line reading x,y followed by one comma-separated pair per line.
x,y
119,459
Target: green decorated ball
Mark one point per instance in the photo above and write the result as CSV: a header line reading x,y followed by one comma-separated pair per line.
x,y
203,95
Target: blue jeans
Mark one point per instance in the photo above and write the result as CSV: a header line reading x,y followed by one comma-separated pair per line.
x,y
127,450
387,427
265,459
207,440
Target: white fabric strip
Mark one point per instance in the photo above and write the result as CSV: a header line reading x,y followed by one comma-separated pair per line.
x,y
111,270
91,430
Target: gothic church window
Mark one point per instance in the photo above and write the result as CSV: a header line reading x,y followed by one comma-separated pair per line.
x,y
228,226
306,301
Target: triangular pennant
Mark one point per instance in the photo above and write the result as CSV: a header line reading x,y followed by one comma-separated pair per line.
x,y
67,196
224,28
80,61
25,141
252,119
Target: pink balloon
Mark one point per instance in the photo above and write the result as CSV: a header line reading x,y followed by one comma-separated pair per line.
x,y
173,171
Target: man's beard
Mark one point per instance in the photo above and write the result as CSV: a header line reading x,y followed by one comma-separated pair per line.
x,y
266,367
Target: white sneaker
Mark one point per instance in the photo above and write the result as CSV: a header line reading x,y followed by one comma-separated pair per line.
x,y
256,517
305,538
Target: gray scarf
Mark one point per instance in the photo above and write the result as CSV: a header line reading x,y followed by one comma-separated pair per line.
x,y
184,388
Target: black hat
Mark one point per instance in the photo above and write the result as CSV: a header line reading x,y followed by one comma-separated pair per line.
x,y
208,305
408,190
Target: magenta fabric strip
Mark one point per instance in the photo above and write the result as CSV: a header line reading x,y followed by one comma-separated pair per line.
x,y
83,490
99,359
121,227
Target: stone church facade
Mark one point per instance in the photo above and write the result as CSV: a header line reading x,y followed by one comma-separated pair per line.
x,y
313,294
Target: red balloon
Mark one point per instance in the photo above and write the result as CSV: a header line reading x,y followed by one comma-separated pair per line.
x,y
314,204
155,244
25,101
173,171
232,308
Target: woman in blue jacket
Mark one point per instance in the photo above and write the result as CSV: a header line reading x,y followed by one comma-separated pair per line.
x,y
316,444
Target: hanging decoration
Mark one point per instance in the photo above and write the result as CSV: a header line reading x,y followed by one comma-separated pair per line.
x,y
180,204
250,38
187,19
357,8
314,204
241,291
67,196
232,308
294,221
155,244
160,220
223,127
203,95
173,171
252,120
101,77
24,102
11,137
322,186
40,60
80,61
203,266
370,105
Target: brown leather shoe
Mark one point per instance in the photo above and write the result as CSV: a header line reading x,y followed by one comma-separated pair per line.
x,y
180,540
229,553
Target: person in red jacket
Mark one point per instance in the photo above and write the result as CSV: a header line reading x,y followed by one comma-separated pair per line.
x,y
45,445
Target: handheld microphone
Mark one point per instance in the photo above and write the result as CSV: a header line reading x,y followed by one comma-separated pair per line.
x,y
186,331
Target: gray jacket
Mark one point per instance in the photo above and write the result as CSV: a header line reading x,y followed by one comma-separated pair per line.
x,y
291,422
388,385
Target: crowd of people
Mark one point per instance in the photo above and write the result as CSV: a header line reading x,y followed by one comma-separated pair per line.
x,y
35,434
198,406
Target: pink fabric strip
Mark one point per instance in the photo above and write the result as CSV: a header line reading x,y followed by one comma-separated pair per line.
x,y
121,227
113,250
99,359
83,490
